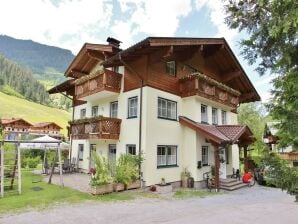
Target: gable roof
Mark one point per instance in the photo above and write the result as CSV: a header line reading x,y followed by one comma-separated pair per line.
x,y
226,59
220,134
6,121
44,124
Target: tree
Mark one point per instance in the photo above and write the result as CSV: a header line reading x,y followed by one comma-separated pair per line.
x,y
272,26
253,115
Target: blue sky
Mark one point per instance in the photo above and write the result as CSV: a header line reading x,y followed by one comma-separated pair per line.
x,y
71,23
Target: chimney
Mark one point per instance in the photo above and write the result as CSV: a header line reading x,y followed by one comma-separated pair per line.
x,y
114,42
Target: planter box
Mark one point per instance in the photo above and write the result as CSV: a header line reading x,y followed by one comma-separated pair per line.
x,y
164,189
104,189
118,187
134,185
184,182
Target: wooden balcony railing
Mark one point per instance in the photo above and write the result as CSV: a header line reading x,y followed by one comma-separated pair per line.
x,y
100,81
95,128
292,156
199,84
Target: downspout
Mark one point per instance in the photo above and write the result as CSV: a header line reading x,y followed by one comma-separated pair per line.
x,y
70,135
141,107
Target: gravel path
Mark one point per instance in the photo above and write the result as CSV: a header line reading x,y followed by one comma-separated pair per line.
x,y
248,205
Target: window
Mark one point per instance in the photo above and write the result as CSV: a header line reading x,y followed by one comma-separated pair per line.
x,y
214,116
171,68
83,113
114,109
81,152
131,149
94,111
115,69
224,117
167,109
132,107
112,152
204,114
205,155
166,156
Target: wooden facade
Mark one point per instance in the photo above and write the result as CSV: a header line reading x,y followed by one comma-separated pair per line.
x,y
15,128
100,81
46,128
96,128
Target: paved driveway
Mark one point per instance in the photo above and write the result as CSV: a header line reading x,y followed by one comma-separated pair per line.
x,y
249,205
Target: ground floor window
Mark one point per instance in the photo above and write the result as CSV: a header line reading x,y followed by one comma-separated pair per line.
x,y
205,156
131,149
295,164
112,153
166,155
81,152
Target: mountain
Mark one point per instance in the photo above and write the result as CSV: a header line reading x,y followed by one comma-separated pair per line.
x,y
12,106
19,81
38,57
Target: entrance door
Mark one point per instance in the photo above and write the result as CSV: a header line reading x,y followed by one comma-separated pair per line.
x,y
223,165
92,150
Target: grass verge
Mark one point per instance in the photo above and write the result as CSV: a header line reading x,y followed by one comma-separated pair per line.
x,y
183,194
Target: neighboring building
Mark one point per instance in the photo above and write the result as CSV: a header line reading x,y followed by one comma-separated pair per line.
x,y
271,140
46,128
15,128
174,99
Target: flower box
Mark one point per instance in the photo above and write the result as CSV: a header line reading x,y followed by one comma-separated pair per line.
x,y
164,189
134,185
118,187
103,189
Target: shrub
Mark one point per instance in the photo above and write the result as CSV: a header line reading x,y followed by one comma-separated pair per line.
x,y
102,171
31,162
126,169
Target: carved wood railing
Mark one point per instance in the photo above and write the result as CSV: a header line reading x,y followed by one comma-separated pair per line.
x,y
292,156
106,80
95,128
201,85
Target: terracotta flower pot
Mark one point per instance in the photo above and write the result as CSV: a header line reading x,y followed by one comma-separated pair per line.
x,y
134,185
118,187
103,189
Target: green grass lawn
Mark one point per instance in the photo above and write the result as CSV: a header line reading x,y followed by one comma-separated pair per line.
x,y
186,193
51,195
12,106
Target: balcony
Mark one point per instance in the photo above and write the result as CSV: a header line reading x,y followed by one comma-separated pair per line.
x,y
106,82
95,128
201,85
291,156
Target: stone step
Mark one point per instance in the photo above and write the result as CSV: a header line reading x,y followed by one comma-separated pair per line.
x,y
233,188
230,184
228,180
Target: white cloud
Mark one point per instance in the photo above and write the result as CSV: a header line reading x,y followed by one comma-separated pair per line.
x,y
152,17
66,24
217,16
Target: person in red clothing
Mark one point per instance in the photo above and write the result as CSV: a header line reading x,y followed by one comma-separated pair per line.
x,y
247,178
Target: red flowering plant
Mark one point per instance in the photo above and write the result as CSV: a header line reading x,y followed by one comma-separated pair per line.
x,y
92,171
153,188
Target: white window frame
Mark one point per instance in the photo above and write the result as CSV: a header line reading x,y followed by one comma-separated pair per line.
x,y
205,156
132,107
204,116
94,111
114,109
80,152
83,113
171,68
214,115
131,147
223,117
167,109
166,158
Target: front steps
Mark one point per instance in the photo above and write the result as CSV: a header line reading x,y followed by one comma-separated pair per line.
x,y
231,184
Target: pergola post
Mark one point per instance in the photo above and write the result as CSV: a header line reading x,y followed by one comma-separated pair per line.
x,y
2,169
245,157
19,168
217,166
60,165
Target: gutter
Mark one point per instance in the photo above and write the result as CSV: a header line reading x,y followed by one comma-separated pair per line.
x,y
141,106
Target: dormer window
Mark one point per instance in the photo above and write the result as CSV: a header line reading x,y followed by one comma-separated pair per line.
x,y
171,68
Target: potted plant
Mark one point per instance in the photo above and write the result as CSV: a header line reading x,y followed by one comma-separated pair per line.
x,y
100,179
184,177
164,187
133,163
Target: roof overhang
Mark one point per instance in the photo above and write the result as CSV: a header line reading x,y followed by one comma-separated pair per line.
x,y
66,86
221,134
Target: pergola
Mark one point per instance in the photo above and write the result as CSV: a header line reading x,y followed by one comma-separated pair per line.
x,y
42,143
220,136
